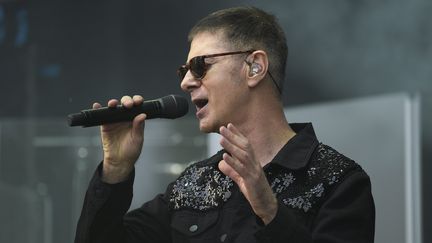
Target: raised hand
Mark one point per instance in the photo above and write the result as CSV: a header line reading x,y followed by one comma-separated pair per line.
x,y
241,166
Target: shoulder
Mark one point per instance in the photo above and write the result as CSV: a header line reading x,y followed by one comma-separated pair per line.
x,y
306,189
330,166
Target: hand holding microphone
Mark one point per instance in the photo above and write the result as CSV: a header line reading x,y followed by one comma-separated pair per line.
x,y
171,106
122,129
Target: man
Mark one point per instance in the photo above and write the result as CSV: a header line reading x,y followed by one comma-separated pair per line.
x,y
272,182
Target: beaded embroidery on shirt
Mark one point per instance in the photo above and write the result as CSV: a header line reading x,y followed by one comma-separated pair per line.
x,y
304,189
200,188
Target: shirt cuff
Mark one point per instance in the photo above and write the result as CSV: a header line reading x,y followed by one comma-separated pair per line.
x,y
281,228
102,190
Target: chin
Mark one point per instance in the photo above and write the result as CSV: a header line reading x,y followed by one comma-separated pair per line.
x,y
205,129
208,128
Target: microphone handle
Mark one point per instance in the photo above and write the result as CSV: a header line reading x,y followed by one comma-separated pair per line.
x,y
105,115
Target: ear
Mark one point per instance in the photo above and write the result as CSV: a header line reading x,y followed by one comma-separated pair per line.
x,y
257,67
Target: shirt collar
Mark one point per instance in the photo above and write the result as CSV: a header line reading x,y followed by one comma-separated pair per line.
x,y
296,153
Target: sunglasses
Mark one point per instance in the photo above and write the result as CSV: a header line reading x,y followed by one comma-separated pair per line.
x,y
199,67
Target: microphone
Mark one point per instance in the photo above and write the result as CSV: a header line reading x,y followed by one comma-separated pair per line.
x,y
171,106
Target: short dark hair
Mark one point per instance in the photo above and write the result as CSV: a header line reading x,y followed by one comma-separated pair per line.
x,y
249,28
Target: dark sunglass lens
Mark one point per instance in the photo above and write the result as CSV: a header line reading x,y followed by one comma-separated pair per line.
x,y
198,66
181,72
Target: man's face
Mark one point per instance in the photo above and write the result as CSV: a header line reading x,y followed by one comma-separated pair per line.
x,y
221,95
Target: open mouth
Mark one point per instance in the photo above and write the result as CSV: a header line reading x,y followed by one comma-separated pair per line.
x,y
200,103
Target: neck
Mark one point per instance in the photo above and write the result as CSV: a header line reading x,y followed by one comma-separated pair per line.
x,y
267,130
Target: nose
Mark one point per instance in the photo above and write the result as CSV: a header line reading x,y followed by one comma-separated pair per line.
x,y
189,83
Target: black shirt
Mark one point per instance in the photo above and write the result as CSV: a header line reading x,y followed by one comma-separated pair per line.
x,y
323,196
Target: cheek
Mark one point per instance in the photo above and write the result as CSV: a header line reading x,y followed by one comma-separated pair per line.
x,y
228,85
236,69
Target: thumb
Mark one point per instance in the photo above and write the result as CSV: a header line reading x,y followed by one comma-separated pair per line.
x,y
138,124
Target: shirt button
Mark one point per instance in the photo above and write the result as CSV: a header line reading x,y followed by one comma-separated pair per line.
x,y
223,237
193,228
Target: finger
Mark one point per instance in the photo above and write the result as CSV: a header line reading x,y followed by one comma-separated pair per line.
x,y
234,144
235,151
236,139
227,170
96,105
127,101
137,99
113,103
234,163
235,130
138,124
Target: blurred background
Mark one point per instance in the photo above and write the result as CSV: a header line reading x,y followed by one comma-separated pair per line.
x,y
58,57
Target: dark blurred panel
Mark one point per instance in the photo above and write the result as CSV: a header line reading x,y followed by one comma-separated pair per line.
x,y
15,55
86,51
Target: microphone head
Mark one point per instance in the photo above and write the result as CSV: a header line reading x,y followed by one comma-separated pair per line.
x,y
174,106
